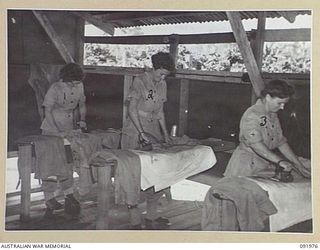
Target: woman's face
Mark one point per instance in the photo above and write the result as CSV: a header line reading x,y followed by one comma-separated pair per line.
x,y
274,104
161,74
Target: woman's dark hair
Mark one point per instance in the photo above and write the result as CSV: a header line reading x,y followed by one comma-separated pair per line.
x,y
278,88
71,72
163,60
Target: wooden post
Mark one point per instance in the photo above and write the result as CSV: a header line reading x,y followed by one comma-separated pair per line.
x,y
104,179
25,165
183,106
126,86
46,24
246,51
79,41
174,49
257,46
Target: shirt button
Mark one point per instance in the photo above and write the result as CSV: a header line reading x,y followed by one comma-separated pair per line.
x,y
71,101
271,139
71,93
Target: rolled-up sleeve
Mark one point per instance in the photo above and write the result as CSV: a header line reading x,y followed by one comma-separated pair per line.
x,y
135,89
250,130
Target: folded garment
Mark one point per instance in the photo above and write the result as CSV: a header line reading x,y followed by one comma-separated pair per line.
x,y
234,204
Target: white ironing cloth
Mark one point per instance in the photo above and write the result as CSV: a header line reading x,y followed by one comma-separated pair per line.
x,y
165,167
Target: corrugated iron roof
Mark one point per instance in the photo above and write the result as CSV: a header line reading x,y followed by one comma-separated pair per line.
x,y
124,19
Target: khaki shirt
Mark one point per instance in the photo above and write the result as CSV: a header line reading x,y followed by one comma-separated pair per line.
x,y
150,96
150,99
63,98
256,125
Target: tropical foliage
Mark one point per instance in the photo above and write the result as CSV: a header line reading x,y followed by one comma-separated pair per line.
x,y
293,57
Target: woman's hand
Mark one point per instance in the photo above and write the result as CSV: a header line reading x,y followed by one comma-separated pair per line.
x,y
286,165
144,137
82,125
167,139
302,170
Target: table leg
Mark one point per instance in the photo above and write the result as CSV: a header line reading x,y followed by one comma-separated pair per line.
x,y
104,178
24,164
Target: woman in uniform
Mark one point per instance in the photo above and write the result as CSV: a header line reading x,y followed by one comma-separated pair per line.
x,y
146,117
60,102
261,134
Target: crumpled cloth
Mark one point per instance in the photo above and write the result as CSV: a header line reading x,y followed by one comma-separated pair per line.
x,y
127,173
293,200
236,203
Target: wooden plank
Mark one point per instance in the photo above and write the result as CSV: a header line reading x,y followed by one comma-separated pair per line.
x,y
46,24
183,107
111,70
257,46
96,21
25,165
163,39
209,78
246,51
126,86
33,190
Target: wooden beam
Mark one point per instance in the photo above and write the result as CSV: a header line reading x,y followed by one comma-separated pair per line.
x,y
258,42
46,24
128,79
79,40
183,107
257,46
163,39
96,21
286,35
246,51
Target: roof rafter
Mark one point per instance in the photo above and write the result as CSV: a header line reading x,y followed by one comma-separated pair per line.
x,y
55,38
96,21
246,51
